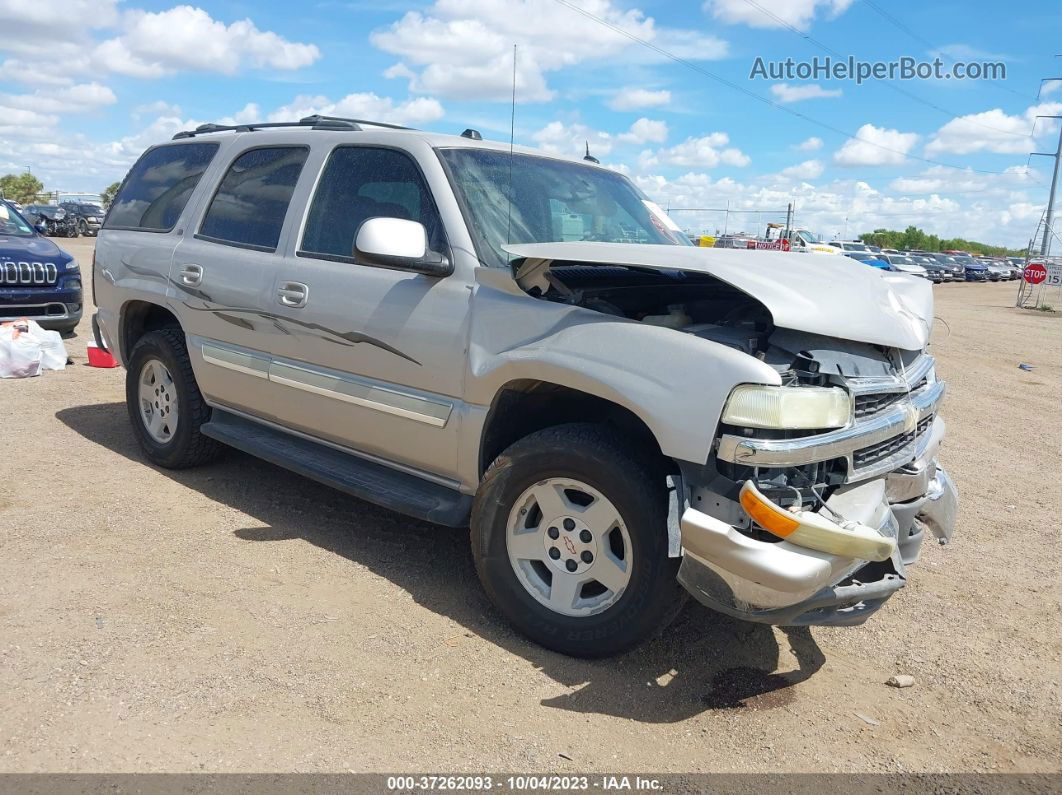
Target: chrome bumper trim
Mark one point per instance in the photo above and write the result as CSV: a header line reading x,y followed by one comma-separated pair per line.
x,y
840,443
941,507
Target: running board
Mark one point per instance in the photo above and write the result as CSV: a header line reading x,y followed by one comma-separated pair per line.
x,y
359,477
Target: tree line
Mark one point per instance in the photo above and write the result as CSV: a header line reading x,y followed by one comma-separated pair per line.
x,y
25,188
913,238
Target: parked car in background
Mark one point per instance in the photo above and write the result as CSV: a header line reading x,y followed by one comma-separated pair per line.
x,y
55,220
997,271
89,217
38,280
873,260
958,270
904,264
938,272
847,246
973,270
377,324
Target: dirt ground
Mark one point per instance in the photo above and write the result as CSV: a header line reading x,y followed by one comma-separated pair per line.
x,y
240,618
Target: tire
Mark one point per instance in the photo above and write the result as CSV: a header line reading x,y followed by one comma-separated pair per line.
x,y
71,230
176,443
602,621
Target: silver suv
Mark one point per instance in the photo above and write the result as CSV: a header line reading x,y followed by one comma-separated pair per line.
x,y
526,345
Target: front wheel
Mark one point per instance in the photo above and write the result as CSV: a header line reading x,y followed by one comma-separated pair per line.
x,y
569,537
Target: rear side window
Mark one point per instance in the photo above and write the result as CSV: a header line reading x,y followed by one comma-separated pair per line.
x,y
359,183
249,206
159,186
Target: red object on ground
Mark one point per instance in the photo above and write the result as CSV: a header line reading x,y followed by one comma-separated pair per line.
x,y
1035,273
97,357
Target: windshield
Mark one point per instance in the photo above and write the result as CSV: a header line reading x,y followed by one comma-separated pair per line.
x,y
901,260
552,201
11,223
809,236
854,247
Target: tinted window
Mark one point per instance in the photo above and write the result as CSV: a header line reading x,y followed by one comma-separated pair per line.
x,y
360,183
158,187
249,206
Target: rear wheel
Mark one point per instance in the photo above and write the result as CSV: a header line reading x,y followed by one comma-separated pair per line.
x,y
569,535
165,405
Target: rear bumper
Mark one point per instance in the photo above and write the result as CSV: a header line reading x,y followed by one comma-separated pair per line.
x,y
784,584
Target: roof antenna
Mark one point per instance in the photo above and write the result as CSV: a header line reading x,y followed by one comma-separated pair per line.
x,y
512,137
589,156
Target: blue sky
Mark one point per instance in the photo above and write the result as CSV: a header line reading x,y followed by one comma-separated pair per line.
x,y
85,85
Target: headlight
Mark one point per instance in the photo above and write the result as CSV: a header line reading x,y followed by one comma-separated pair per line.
x,y
754,406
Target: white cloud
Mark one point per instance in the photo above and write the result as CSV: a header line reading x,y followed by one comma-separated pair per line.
x,y
637,98
993,131
157,108
798,13
80,98
875,146
572,139
812,144
360,106
787,93
646,131
21,71
707,151
40,28
939,179
809,169
187,38
464,48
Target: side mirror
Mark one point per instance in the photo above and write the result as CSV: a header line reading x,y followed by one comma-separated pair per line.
x,y
399,244
41,228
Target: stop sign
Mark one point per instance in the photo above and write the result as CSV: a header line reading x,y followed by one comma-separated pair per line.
x,y
1035,273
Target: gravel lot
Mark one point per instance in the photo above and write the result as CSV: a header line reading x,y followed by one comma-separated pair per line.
x,y
240,618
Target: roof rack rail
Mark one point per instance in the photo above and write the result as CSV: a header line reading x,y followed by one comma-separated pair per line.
x,y
315,122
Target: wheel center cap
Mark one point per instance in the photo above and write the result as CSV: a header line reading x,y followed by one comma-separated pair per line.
x,y
571,547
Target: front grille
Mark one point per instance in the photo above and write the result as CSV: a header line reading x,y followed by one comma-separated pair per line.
x,y
28,274
865,405
869,456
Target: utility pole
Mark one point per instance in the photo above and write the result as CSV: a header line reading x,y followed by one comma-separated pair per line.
x,y
1045,246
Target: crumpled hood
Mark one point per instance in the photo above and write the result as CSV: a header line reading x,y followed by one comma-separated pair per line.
x,y
835,296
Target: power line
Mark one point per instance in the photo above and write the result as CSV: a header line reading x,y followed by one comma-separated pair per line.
x,y
752,94
933,47
886,83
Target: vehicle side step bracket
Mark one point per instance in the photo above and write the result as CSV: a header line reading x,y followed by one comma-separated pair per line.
x,y
359,477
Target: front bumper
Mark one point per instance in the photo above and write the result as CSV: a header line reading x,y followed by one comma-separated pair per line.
x,y
58,308
784,584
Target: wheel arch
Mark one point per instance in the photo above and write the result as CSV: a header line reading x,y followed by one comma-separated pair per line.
x,y
522,406
138,318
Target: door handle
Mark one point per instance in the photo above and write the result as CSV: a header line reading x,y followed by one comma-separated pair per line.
x,y
192,275
293,294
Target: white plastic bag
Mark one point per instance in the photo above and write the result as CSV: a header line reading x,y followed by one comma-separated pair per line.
x,y
26,349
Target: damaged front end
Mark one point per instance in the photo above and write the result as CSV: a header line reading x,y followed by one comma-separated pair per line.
x,y
876,478
818,488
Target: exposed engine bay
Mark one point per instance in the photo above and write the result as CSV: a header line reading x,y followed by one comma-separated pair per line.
x,y
709,308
